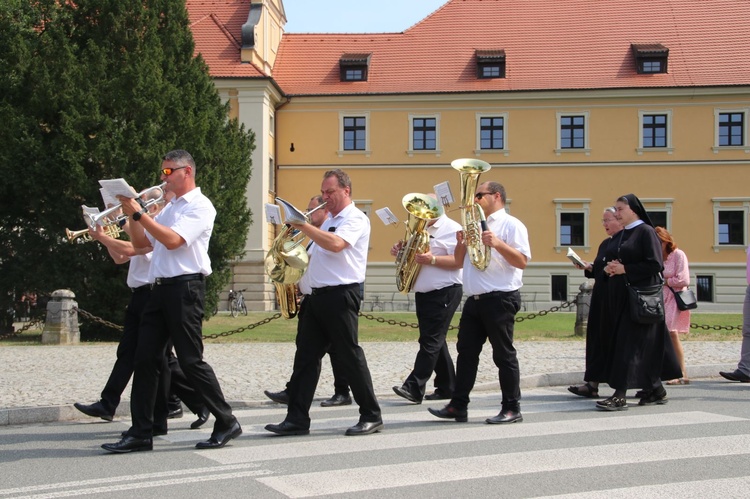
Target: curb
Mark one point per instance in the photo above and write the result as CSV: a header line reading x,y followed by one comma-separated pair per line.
x,y
52,414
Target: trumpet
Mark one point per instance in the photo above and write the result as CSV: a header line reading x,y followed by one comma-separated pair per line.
x,y
83,236
103,218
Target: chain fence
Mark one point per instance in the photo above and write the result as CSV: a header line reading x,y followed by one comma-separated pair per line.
x,y
383,320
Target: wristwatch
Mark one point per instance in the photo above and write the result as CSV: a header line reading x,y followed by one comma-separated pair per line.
x,y
138,214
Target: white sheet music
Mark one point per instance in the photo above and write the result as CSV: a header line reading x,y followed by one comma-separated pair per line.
x,y
273,213
118,187
387,216
443,193
109,199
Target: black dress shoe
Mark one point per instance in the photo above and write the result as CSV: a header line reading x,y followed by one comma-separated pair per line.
x,y
287,428
438,395
507,416
95,410
281,397
220,438
337,399
737,375
364,428
174,413
130,444
450,412
202,418
403,392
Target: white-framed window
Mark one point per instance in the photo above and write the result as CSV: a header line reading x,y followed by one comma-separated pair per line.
x,y
573,132
354,133
365,205
571,223
655,131
659,211
491,133
424,134
730,222
730,130
272,124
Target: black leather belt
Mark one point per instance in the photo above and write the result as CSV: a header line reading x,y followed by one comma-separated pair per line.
x,y
141,288
163,281
326,289
493,294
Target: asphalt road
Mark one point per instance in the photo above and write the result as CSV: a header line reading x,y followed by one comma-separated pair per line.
x,y
697,445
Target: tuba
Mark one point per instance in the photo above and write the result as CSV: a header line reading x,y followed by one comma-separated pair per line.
x,y
287,260
421,209
472,215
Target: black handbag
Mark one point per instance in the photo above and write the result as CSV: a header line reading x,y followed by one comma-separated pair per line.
x,y
685,299
646,303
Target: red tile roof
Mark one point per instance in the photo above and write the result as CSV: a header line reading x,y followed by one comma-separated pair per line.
x,y
217,30
571,44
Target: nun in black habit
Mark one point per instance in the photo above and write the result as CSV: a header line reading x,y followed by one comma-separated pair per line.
x,y
642,354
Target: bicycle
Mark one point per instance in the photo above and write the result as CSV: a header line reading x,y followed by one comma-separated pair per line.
x,y
237,303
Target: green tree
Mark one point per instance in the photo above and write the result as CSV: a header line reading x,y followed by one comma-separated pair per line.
x,y
98,89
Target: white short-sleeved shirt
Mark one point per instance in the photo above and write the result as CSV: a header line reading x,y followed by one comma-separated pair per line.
x,y
442,242
499,275
138,270
348,266
192,217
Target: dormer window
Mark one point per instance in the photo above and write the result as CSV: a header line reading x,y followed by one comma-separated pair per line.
x,y
354,67
650,59
490,64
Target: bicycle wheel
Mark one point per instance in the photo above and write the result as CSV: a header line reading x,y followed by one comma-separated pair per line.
x,y
243,307
233,309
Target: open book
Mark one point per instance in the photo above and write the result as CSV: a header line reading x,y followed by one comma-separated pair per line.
x,y
573,256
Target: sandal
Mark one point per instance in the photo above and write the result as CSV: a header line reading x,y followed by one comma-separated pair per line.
x,y
679,381
588,390
613,404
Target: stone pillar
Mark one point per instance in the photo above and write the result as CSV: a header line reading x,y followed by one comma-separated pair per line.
x,y
583,304
61,325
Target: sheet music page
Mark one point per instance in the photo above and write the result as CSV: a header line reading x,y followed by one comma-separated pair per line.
x,y
443,193
109,199
387,216
273,213
118,187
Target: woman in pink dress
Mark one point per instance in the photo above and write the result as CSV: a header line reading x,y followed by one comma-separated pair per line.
x,y
677,277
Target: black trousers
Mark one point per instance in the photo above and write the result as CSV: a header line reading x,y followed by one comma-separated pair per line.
x,y
174,311
493,318
180,388
340,383
330,318
435,311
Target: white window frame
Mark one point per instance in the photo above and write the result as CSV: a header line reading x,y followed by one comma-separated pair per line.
x,y
668,149
412,116
568,205
660,204
586,126
730,204
746,145
354,114
478,147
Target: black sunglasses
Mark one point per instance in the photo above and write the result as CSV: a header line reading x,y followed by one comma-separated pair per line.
x,y
479,195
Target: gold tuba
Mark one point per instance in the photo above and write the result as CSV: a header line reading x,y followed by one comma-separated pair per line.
x,y
421,209
287,260
472,215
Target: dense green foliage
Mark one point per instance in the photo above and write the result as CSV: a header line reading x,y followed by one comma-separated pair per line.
x,y
99,89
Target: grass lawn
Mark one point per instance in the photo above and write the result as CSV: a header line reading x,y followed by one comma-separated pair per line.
x,y
401,326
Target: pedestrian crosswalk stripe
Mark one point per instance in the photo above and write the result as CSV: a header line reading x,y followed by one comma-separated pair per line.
x,y
447,432
393,476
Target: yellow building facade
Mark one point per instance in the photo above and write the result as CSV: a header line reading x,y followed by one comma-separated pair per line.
x,y
563,155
